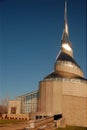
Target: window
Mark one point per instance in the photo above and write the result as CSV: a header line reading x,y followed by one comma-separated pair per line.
x,y
13,110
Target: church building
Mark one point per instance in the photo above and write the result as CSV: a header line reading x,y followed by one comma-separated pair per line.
x,y
61,94
64,91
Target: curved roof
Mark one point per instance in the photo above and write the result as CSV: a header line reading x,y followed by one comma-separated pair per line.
x,y
53,75
57,75
81,78
65,57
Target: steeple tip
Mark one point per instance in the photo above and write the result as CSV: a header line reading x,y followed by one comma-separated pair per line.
x,y
65,30
66,45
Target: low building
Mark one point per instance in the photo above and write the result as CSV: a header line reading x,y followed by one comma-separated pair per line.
x,y
23,105
28,102
14,107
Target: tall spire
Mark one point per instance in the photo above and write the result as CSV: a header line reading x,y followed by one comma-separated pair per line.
x,y
66,44
65,20
65,36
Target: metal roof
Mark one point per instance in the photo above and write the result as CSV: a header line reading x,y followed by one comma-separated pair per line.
x,y
65,57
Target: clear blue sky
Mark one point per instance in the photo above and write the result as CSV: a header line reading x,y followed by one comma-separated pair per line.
x,y
30,39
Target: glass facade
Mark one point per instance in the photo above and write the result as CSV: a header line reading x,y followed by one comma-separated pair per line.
x,y
29,102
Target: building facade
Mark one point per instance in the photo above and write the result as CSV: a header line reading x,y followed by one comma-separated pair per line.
x,y
14,107
24,104
64,91
29,102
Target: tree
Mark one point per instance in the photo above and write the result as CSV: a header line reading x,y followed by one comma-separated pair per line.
x,y
4,106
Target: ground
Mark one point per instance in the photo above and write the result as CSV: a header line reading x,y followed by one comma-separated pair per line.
x,y
13,124
21,125
72,128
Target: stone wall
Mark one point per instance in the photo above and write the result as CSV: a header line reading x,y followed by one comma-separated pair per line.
x,y
16,104
75,87
18,116
75,110
50,97
74,105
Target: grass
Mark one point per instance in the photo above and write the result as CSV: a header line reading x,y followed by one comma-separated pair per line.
x,y
72,128
10,121
14,121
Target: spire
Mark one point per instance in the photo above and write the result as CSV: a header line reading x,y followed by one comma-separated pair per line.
x,y
65,35
66,44
65,20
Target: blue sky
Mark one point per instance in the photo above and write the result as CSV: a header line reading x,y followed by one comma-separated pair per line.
x,y
30,39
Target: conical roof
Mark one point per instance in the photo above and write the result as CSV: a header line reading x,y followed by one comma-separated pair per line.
x,y
65,65
66,45
65,57
66,52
